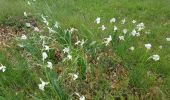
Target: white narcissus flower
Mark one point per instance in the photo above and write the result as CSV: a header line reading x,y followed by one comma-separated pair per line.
x,y
51,30
115,28
121,38
49,65
23,37
133,21
123,21
97,20
69,57
42,85
103,27
28,25
66,50
140,26
3,68
113,20
47,48
25,14
168,39
44,56
108,40
80,97
74,76
155,57
132,48
148,46
56,24
125,31
134,33
36,29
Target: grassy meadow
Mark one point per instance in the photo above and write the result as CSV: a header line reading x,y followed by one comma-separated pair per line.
x,y
84,49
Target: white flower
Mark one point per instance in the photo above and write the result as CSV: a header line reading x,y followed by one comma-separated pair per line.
x,y
28,3
49,65
124,31
51,30
115,28
133,21
56,24
155,57
140,26
28,25
160,47
74,76
3,68
123,21
42,85
148,46
36,29
113,20
45,20
69,57
82,42
44,56
168,39
23,37
108,40
103,27
132,48
47,48
80,97
134,33
97,20
121,38
66,50
72,30
25,14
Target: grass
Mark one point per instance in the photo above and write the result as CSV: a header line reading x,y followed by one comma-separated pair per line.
x,y
104,72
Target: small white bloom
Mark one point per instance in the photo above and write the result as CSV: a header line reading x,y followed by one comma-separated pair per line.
x,y
74,76
125,31
49,65
103,27
80,97
42,85
69,57
45,20
160,47
56,24
148,46
47,48
155,57
28,3
133,21
25,14
132,48
121,38
72,30
28,25
123,21
108,40
82,42
66,50
134,33
78,42
23,37
140,26
97,20
115,28
168,39
36,29
3,68
113,20
44,56
51,30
